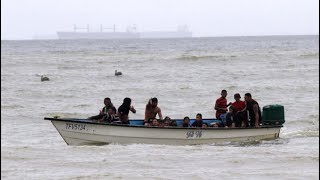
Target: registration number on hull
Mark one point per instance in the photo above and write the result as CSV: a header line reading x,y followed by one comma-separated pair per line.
x,y
75,126
194,134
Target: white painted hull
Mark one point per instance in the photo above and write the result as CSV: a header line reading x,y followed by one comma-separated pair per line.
x,y
83,133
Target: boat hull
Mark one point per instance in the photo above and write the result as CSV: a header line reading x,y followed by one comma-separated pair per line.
x,y
76,132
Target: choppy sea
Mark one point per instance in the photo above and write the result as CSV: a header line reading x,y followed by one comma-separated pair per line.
x,y
186,75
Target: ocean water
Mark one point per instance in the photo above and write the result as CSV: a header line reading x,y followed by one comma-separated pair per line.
x,y
186,75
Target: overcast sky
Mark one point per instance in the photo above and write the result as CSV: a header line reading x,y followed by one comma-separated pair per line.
x,y
25,19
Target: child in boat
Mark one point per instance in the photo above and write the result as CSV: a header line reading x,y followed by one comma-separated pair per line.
x,y
198,122
205,125
155,123
186,122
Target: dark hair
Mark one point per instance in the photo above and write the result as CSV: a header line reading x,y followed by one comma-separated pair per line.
x,y
151,100
186,118
107,98
247,94
223,91
199,115
154,100
127,101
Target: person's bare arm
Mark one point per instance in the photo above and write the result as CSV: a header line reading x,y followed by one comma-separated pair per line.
x,y
132,109
159,113
218,108
256,114
145,115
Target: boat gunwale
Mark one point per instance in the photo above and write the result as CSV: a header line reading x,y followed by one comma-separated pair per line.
x,y
170,127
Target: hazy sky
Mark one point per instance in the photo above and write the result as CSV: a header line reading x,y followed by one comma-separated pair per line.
x,y
24,19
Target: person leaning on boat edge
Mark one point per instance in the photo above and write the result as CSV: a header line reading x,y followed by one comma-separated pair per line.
x,y
123,111
238,105
107,105
152,110
198,122
254,110
221,104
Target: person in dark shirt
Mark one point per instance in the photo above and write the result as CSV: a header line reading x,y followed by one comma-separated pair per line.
x,y
253,108
123,111
186,122
198,122
107,105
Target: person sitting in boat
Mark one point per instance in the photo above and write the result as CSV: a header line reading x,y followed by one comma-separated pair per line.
x,y
166,123
221,104
186,122
152,109
198,122
171,121
155,123
111,116
107,105
230,117
214,124
123,111
254,110
205,125
238,105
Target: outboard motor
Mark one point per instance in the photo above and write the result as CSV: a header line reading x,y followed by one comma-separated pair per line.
x,y
273,115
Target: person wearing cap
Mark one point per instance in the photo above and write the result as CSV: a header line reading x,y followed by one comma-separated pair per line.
x,y
221,104
238,106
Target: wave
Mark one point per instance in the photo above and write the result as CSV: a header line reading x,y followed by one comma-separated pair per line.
x,y
302,133
15,106
194,57
310,55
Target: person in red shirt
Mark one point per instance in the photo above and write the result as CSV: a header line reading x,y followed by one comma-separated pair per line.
x,y
221,105
238,106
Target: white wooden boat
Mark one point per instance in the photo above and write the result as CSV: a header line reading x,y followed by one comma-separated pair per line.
x,y
86,132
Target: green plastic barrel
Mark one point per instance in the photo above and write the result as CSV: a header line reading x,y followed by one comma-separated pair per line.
x,y
273,114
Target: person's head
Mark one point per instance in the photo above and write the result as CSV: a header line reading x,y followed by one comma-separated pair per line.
x,y
112,110
166,123
155,122
173,123
127,101
215,125
107,101
167,118
204,125
224,93
247,97
199,117
186,119
154,102
237,97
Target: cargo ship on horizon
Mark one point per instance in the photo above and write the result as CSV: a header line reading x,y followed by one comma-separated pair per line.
x,y
130,33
